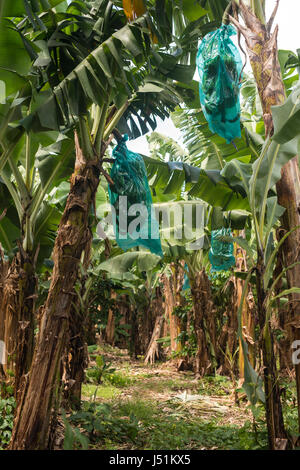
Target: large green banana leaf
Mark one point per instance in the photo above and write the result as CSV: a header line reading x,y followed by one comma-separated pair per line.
x,y
207,185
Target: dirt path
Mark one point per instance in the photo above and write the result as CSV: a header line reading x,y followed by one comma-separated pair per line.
x,y
202,413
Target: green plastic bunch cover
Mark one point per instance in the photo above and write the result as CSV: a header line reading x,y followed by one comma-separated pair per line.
x,y
220,66
221,252
132,227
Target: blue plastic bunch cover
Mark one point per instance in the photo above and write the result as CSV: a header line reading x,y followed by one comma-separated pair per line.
x,y
130,179
221,252
220,65
186,281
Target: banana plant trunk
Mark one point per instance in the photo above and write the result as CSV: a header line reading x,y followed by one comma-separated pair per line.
x,y
262,49
18,314
247,317
285,317
110,327
3,273
288,191
177,284
203,322
274,415
227,341
172,287
76,354
31,427
76,359
153,351
169,307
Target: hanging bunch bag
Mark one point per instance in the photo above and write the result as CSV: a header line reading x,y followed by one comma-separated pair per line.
x,y
220,66
221,252
134,226
186,281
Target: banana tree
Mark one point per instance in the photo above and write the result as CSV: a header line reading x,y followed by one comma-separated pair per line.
x,y
26,233
92,86
259,181
171,180
257,31
259,191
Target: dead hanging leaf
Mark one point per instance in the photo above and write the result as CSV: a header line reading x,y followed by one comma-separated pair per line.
x,y
247,336
133,9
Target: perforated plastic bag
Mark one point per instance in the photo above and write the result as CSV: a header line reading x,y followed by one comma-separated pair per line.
x,y
221,252
220,66
134,226
186,281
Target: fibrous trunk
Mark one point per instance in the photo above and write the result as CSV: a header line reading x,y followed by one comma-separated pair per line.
x,y
18,313
285,315
247,319
31,429
110,327
76,355
288,191
172,288
75,360
203,322
153,351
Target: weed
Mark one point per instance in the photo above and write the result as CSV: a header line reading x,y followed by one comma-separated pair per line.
x,y
98,424
95,374
7,406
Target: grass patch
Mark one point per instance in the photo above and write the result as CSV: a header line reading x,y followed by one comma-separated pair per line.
x,y
177,430
103,391
119,379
